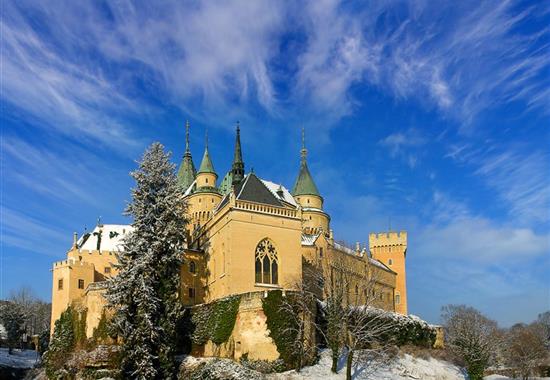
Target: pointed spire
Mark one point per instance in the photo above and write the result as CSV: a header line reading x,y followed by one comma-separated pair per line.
x,y
237,169
303,152
186,172
304,183
187,150
206,164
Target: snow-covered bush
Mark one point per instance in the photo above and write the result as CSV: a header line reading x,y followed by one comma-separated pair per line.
x,y
217,369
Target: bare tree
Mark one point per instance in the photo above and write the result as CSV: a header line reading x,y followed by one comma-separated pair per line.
x,y
352,301
36,312
367,326
525,348
471,336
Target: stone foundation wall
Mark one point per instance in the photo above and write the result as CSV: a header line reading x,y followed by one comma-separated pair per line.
x,y
250,334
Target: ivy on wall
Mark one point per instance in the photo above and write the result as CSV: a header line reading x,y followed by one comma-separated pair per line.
x,y
280,326
215,321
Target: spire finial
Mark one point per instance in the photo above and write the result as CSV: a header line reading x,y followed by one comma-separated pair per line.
x,y
237,167
206,139
187,150
303,152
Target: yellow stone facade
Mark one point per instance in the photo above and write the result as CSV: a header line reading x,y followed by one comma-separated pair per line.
x,y
245,236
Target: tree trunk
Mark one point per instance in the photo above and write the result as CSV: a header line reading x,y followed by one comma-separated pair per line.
x,y
334,361
349,363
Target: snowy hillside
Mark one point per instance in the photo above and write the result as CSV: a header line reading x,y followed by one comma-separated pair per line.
x,y
406,367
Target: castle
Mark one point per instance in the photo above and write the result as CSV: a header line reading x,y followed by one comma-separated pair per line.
x,y
247,236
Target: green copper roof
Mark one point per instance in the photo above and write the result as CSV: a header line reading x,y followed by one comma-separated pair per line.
x,y
227,182
186,172
304,183
206,164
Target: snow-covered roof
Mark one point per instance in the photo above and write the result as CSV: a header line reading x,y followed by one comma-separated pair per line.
x,y
309,239
110,237
379,264
343,248
273,187
190,188
350,251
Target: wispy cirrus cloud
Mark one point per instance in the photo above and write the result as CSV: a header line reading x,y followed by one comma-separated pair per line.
x,y
404,144
518,178
458,58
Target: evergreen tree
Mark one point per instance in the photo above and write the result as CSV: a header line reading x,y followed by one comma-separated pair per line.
x,y
13,320
62,343
144,295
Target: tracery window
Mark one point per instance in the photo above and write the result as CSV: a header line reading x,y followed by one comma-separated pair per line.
x,y
266,263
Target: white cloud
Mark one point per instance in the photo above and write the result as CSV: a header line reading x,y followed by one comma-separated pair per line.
x,y
398,142
25,232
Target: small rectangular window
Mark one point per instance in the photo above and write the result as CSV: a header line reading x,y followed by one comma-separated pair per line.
x,y
60,284
107,270
321,252
80,284
397,299
191,292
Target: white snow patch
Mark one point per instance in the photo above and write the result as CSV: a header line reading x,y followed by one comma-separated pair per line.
x,y
406,367
273,187
18,358
112,236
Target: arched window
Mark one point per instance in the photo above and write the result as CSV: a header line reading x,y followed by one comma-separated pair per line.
x,y
192,267
266,263
390,262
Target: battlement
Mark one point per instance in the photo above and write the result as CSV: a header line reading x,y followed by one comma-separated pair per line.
x,y
89,252
71,263
391,238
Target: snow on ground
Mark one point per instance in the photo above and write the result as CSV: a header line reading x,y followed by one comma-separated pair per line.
x,y
405,367
500,377
18,358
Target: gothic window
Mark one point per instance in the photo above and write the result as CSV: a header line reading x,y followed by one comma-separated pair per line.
x,y
397,299
192,267
266,263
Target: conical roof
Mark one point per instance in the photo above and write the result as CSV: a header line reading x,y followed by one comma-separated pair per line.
x,y
304,183
186,172
206,164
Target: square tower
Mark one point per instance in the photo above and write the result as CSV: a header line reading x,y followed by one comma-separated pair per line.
x,y
391,249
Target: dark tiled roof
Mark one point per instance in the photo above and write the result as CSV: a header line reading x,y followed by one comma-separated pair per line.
x,y
253,189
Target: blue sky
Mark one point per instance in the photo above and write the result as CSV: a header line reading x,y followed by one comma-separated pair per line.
x,y
434,115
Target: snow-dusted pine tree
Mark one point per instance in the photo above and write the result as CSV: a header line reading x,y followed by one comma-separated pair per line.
x,y
144,295
13,318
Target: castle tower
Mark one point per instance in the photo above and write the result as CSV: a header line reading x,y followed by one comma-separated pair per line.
x,y
237,169
391,249
206,176
186,172
307,195
205,196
